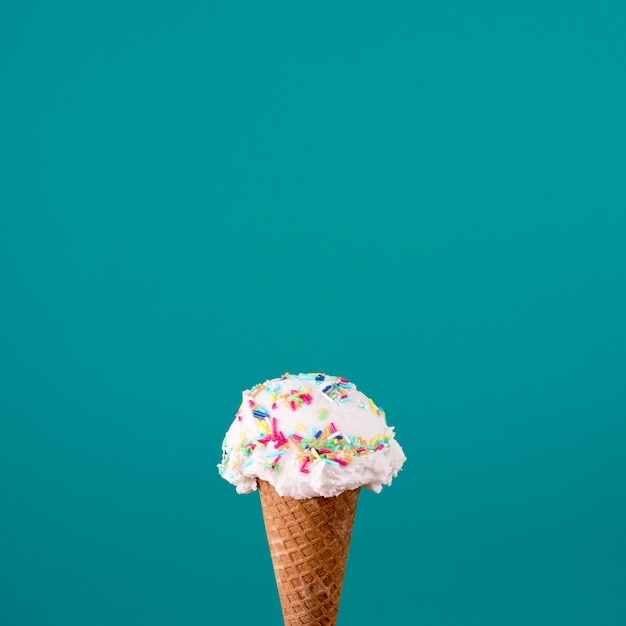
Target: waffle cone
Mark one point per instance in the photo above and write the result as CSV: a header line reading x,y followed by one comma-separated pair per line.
x,y
309,541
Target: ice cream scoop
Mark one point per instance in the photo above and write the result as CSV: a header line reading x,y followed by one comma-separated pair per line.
x,y
309,435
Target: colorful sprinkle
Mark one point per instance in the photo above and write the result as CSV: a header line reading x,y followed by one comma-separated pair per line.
x,y
374,407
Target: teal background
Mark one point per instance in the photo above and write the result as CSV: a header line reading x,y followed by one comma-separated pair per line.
x,y
425,197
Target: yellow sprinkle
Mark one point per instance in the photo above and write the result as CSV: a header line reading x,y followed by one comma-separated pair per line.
x,y
374,407
313,451
299,426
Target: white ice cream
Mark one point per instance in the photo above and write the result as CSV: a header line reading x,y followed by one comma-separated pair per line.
x,y
309,435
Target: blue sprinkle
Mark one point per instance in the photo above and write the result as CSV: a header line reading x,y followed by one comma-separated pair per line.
x,y
275,453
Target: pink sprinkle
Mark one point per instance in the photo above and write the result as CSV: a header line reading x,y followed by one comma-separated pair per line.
x,y
332,428
307,398
340,461
280,443
293,405
274,425
380,447
239,416
265,439
251,402
296,437
305,471
323,451
274,406
361,449
302,467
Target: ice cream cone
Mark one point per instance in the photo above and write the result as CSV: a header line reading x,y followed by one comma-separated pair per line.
x,y
309,541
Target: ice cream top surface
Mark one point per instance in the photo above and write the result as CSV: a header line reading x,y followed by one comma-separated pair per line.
x,y
309,435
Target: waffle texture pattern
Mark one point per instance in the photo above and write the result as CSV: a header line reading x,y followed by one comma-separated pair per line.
x,y
309,541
